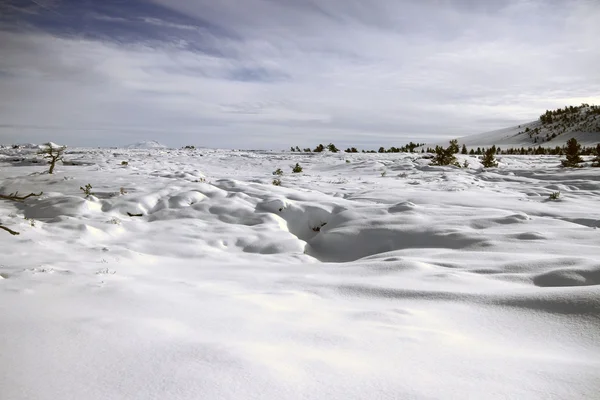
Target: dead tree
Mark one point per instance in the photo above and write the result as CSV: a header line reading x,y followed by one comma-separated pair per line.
x,y
53,153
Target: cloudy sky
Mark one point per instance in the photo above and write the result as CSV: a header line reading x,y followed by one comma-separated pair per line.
x,y
275,73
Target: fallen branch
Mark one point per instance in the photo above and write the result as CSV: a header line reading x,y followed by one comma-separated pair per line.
x,y
15,196
9,230
135,215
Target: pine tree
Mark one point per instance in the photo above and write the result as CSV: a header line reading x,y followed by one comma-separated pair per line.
x,y
464,150
573,154
446,156
331,147
596,161
454,146
489,160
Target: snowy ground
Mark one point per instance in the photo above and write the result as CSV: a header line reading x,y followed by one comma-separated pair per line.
x,y
424,283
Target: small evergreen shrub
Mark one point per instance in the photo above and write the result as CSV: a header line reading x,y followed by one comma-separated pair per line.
x,y
87,190
446,156
554,195
489,160
278,172
297,168
277,182
331,147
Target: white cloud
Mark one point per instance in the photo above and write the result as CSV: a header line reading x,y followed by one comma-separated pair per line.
x,y
290,72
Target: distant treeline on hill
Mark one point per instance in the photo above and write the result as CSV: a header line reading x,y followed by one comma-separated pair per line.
x,y
551,124
569,115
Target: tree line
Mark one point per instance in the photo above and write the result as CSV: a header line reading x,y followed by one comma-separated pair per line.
x,y
408,148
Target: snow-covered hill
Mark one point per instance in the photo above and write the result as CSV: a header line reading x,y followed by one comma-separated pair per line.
x,y
151,144
553,129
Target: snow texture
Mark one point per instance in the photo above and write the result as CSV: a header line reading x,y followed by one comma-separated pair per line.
x,y
342,283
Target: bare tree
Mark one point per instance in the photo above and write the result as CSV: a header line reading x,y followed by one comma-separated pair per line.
x,y
53,153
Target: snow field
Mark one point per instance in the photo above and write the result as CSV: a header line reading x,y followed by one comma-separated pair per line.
x,y
426,282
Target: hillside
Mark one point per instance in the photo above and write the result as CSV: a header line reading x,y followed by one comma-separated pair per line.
x,y
552,129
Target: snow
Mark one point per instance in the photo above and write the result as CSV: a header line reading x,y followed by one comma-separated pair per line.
x,y
49,145
427,282
151,144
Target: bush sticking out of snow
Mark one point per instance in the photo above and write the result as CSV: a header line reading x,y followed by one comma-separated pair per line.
x,y
489,158
446,156
87,190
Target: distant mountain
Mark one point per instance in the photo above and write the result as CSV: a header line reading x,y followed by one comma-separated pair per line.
x,y
151,144
552,129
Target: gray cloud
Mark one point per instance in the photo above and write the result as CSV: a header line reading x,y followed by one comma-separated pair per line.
x,y
274,73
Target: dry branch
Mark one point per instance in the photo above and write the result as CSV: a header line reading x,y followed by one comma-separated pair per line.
x,y
9,230
15,196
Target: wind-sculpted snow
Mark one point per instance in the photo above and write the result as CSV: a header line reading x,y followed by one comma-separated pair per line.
x,y
187,274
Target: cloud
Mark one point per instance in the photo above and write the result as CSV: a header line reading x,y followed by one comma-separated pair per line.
x,y
269,74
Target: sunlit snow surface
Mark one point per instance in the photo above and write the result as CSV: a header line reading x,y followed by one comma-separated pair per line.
x,y
424,283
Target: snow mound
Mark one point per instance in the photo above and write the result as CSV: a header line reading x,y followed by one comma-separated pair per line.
x,y
151,144
50,145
